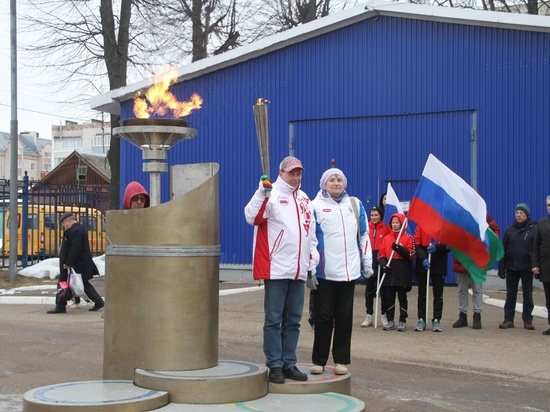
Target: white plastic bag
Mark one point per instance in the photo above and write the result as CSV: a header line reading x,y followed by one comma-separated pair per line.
x,y
75,283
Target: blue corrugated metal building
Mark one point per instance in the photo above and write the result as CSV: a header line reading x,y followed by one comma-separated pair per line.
x,y
377,87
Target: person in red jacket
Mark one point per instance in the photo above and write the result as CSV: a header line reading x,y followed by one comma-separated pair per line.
x,y
465,282
377,231
395,256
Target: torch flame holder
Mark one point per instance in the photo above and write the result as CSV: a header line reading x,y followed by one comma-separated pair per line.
x,y
155,141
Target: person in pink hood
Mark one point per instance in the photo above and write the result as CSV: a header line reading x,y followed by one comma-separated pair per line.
x,y
135,196
398,278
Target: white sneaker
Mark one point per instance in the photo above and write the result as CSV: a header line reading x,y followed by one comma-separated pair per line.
x,y
340,369
75,306
317,369
384,319
367,322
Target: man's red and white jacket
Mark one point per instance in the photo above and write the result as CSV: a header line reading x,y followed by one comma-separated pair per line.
x,y
285,246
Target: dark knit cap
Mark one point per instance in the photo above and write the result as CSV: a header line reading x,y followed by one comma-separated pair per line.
x,y
524,208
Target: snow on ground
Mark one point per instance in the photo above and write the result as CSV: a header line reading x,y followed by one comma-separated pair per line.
x,y
46,289
49,268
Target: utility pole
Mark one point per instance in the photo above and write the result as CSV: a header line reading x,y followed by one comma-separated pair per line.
x,y
14,141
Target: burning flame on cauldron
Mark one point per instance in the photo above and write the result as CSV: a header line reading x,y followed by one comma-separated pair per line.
x,y
158,101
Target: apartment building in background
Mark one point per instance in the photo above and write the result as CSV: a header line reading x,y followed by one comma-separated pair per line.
x,y
34,156
88,138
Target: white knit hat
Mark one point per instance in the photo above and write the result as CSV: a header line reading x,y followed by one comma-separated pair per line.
x,y
330,172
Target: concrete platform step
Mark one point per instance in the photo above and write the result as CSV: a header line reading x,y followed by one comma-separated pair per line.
x,y
229,381
328,381
94,396
276,402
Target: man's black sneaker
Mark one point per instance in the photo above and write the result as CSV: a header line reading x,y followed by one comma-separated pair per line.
x,y
294,374
96,307
58,309
276,375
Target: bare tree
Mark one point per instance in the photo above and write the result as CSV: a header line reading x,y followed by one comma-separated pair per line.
x,y
286,14
212,26
87,47
509,6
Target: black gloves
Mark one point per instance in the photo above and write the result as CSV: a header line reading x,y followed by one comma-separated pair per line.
x,y
386,269
502,274
402,250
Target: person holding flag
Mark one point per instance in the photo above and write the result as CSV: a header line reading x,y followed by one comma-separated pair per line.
x,y
431,263
465,282
395,257
452,212
377,231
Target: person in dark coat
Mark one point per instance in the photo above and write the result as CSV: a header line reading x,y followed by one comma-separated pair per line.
x,y
430,255
540,257
516,265
75,253
398,272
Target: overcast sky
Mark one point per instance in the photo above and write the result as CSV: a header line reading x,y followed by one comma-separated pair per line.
x,y
36,112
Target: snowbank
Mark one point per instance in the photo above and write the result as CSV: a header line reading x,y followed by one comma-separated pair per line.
x,y
50,268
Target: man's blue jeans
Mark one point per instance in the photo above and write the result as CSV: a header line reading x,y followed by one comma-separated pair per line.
x,y
283,307
512,280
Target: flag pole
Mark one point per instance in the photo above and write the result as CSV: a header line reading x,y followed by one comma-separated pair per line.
x,y
376,305
428,284
391,254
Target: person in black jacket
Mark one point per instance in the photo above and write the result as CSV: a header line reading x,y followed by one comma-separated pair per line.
x,y
75,253
432,256
518,243
540,257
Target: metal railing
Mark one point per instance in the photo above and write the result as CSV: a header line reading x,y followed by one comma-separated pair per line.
x,y
39,233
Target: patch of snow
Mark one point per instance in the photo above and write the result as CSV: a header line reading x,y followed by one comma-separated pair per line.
x,y
49,268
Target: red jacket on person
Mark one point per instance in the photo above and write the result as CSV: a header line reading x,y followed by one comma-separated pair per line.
x,y
401,269
377,231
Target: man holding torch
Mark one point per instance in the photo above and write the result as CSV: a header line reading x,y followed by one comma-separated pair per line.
x,y
285,248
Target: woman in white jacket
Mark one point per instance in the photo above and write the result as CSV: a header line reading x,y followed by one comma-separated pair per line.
x,y
344,247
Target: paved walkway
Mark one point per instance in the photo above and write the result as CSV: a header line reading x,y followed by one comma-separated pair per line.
x,y
44,294
40,349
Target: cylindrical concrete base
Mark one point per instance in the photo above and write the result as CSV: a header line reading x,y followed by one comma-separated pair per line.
x,y
229,382
93,396
328,381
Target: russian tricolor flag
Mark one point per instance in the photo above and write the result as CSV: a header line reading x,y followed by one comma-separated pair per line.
x,y
452,212
392,205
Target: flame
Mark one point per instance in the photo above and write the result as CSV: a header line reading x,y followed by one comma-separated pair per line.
x,y
161,102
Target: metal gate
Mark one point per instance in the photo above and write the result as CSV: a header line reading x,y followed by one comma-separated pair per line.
x,y
39,206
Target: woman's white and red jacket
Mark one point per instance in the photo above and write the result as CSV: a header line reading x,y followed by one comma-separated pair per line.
x,y
285,246
340,252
